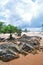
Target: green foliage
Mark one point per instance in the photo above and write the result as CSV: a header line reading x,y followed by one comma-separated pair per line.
x,y
19,31
9,29
1,25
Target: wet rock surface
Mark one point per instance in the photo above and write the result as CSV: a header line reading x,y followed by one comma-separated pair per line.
x,y
28,44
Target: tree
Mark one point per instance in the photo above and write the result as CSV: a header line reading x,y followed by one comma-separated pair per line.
x,y
9,29
19,31
25,30
1,25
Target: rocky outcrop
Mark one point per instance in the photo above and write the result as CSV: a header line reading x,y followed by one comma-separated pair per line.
x,y
8,52
28,44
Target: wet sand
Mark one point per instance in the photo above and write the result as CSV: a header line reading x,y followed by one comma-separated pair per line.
x,y
30,59
26,60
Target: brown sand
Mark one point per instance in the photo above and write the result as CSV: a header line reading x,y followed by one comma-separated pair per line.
x,y
26,60
30,59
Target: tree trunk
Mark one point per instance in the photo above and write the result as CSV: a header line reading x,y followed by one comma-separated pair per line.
x,y
11,36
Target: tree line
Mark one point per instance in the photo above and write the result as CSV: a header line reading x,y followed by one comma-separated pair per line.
x,y
9,29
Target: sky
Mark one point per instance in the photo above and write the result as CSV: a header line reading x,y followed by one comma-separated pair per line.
x,y
22,13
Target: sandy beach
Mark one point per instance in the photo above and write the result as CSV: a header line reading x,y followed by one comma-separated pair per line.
x,y
30,59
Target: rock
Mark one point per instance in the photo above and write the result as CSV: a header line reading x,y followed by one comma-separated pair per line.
x,y
38,38
30,37
8,56
10,39
25,48
41,48
28,44
25,36
34,41
7,53
2,39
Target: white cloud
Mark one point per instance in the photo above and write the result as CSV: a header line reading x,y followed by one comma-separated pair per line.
x,y
3,2
27,9
4,12
6,15
7,22
23,11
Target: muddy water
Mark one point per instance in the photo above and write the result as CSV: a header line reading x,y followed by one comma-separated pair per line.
x,y
26,60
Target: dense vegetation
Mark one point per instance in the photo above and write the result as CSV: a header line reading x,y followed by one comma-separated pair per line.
x,y
9,29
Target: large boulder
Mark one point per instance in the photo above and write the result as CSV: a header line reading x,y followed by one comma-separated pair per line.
x,y
8,56
34,41
25,48
8,52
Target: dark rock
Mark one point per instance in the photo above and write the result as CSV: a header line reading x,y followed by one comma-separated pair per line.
x,y
2,39
7,57
26,38
34,41
8,52
29,37
26,47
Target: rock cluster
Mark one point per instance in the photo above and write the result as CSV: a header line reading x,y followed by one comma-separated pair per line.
x,y
28,44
